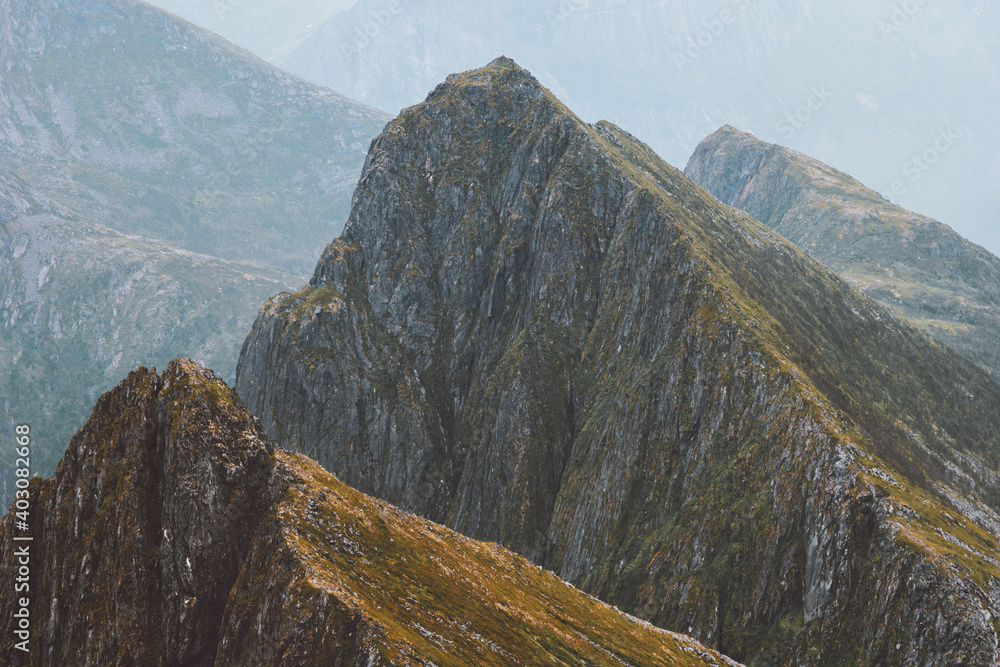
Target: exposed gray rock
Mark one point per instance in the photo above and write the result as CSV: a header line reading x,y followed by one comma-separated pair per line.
x,y
536,331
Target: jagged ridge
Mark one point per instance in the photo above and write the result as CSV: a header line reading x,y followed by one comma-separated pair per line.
x,y
917,267
536,331
173,533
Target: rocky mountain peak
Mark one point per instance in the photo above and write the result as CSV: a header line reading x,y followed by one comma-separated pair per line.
x,y
535,331
146,520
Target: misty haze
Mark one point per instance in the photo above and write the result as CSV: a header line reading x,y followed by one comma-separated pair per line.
x,y
413,332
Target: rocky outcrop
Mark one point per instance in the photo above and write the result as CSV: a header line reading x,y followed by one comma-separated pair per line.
x,y
140,534
537,332
917,267
173,533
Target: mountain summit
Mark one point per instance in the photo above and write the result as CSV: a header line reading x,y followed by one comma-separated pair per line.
x,y
537,332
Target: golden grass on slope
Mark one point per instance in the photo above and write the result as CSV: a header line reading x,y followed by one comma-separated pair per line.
x,y
440,596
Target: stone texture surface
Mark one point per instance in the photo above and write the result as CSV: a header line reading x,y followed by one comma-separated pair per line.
x,y
535,331
140,534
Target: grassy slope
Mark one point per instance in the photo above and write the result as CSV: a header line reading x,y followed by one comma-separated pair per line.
x,y
429,593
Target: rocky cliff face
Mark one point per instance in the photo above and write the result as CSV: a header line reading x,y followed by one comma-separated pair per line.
x,y
80,302
917,267
173,533
537,332
139,536
146,124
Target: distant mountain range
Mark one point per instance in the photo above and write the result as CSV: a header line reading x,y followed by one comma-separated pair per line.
x,y
81,304
149,125
159,184
919,268
864,86
537,332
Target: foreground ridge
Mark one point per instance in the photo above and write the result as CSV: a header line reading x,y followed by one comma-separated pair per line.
x,y
174,533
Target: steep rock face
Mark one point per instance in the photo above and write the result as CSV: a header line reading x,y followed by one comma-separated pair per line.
x,y
173,533
79,302
146,124
536,331
917,267
139,535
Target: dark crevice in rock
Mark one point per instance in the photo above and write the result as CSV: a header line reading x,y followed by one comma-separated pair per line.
x,y
154,444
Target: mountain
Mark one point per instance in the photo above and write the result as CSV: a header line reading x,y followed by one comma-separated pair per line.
x,y
146,124
79,302
160,182
174,533
919,268
863,86
269,29
535,331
